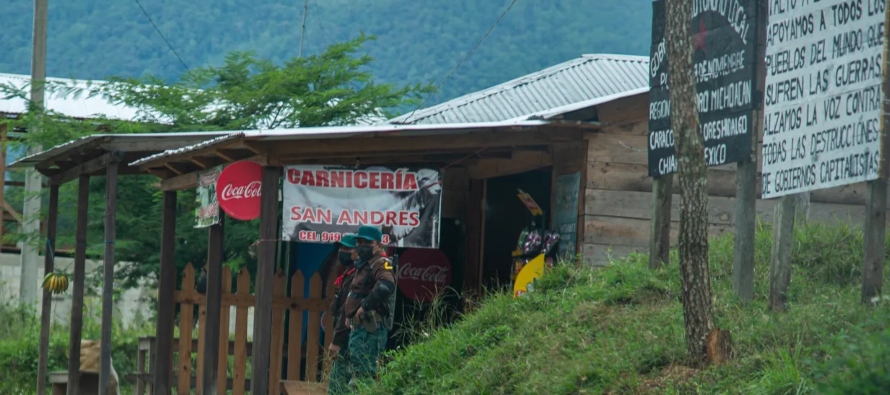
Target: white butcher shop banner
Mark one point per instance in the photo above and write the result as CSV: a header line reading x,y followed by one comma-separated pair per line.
x,y
823,99
321,203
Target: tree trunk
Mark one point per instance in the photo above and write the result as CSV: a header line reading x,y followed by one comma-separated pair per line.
x,y
692,174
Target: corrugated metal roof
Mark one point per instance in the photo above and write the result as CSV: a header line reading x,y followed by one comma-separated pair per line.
x,y
558,111
326,132
83,107
174,139
582,79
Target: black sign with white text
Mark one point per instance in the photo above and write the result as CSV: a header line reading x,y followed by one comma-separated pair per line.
x,y
724,37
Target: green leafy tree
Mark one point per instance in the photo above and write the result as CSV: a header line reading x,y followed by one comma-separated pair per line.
x,y
331,88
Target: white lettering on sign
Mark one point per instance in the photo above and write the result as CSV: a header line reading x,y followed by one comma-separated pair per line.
x,y
231,192
823,98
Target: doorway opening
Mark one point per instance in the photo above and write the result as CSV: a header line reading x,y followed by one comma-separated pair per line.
x,y
505,218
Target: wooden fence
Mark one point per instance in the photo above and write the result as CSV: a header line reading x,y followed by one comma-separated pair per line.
x,y
304,357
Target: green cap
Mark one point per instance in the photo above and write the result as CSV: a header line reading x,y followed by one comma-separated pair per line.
x,y
370,233
348,240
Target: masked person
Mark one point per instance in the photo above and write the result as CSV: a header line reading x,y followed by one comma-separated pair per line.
x,y
341,371
368,303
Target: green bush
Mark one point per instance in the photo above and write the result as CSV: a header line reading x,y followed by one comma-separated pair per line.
x,y
20,340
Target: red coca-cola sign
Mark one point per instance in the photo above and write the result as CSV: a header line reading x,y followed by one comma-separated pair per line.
x,y
238,190
423,273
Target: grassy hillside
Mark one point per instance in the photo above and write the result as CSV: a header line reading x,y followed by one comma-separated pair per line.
x,y
418,41
619,330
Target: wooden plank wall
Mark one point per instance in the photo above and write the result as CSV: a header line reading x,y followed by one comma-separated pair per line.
x,y
618,190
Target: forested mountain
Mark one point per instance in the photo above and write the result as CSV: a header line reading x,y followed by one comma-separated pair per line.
x,y
417,41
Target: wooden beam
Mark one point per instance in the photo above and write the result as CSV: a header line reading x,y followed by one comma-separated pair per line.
x,y
88,167
173,168
180,182
262,323
212,319
65,164
9,209
522,161
163,363
399,144
3,182
229,155
48,267
108,274
80,257
206,162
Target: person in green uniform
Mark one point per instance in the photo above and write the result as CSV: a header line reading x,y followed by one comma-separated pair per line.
x,y
341,371
368,304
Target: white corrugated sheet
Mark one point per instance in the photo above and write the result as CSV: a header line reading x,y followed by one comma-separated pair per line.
x,y
78,107
586,78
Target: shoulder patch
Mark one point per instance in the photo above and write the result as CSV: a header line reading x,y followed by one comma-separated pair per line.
x,y
386,265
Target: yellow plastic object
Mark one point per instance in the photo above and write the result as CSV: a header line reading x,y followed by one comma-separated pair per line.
x,y
532,270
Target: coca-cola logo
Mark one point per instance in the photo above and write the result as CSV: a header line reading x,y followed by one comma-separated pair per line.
x,y
434,273
423,273
238,190
231,191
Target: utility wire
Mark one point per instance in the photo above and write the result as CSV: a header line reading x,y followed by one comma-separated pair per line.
x,y
324,35
462,60
161,34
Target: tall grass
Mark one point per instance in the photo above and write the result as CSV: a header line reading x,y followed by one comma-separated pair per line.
x,y
20,339
619,330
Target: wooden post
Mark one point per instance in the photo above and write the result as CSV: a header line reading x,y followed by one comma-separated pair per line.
x,y
161,368
660,233
473,226
875,233
780,255
214,300
2,178
876,200
265,273
746,221
80,257
46,303
108,275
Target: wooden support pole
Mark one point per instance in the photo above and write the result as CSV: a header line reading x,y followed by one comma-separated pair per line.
x,y
745,221
46,303
108,277
660,233
162,368
3,181
262,323
780,255
875,234
80,258
474,234
876,200
214,296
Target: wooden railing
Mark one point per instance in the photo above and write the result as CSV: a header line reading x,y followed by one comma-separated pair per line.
x,y
304,356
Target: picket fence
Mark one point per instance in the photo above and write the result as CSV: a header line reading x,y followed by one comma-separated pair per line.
x,y
303,363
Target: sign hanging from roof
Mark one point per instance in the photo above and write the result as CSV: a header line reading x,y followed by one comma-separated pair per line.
x,y
321,203
207,212
238,190
725,60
